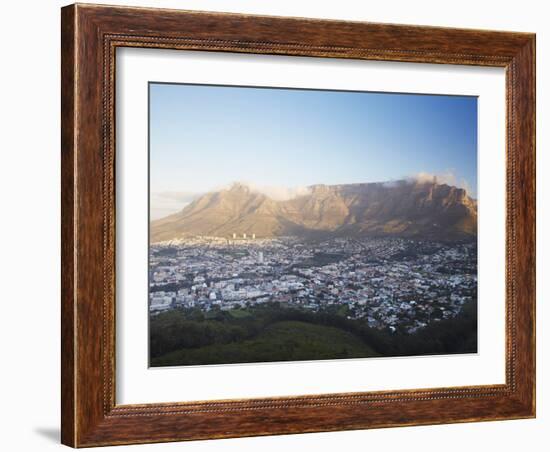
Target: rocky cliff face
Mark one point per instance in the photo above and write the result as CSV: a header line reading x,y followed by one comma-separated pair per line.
x,y
402,208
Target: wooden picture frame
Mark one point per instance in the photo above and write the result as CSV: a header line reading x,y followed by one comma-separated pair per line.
x,y
90,35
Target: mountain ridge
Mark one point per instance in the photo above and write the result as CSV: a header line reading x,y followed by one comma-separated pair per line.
x,y
399,208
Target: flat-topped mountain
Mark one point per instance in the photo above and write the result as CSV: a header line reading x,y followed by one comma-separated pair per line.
x,y
401,208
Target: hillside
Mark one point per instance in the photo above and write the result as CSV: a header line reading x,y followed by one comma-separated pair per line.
x,y
268,333
281,341
402,208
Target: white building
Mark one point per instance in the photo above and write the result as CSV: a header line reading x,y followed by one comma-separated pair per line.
x,y
159,304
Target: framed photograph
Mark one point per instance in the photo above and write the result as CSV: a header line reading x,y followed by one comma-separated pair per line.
x,y
281,225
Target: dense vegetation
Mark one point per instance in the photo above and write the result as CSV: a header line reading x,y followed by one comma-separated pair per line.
x,y
271,333
281,341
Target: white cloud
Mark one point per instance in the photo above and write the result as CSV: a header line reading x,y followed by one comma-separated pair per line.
x,y
281,193
169,202
177,196
447,177
277,193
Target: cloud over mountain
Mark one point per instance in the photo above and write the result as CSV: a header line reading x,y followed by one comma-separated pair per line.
x,y
421,207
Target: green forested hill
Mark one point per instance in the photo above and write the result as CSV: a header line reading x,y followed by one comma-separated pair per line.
x,y
280,341
271,333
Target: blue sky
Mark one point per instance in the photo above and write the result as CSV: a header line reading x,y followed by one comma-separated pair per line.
x,y
206,137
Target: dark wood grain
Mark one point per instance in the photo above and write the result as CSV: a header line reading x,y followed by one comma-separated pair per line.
x,y
90,36
67,226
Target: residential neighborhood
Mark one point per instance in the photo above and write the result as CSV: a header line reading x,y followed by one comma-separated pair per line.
x,y
389,283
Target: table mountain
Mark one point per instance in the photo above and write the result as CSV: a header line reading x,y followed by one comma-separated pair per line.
x,y
401,208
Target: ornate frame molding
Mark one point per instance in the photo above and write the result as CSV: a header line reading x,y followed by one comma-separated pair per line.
x,y
90,37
